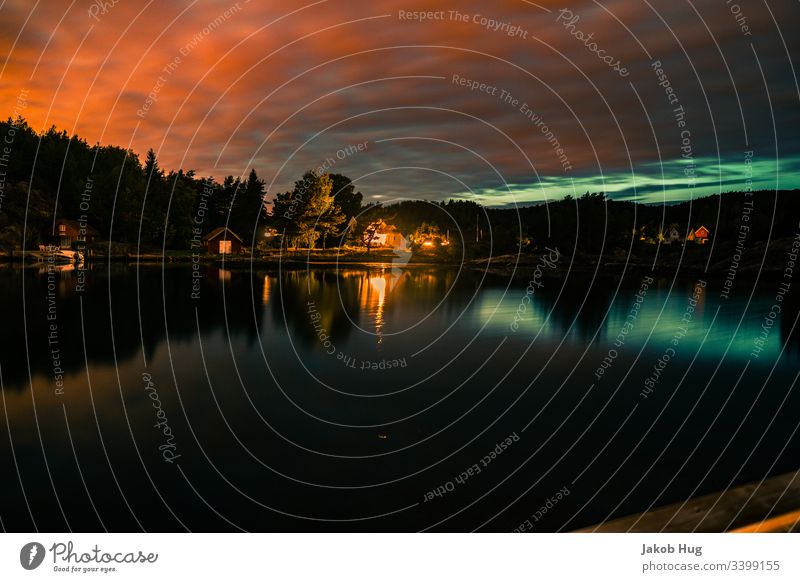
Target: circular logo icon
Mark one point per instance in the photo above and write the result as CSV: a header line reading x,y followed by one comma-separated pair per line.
x,y
31,555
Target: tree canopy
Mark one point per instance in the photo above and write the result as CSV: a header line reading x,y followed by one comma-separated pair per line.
x,y
308,212
50,174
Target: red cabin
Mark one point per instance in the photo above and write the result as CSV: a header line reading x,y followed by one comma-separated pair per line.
x,y
222,241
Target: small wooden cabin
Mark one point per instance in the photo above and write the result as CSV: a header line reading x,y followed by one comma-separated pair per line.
x,y
701,235
222,241
390,238
672,235
69,231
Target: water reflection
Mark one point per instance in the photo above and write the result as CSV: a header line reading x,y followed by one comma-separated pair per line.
x,y
138,306
358,303
377,286
424,377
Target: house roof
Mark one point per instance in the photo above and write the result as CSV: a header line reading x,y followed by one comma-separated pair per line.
x,y
89,229
702,229
219,230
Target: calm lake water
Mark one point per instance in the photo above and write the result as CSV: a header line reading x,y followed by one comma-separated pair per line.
x,y
164,399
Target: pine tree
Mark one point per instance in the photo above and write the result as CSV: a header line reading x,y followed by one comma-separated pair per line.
x,y
308,212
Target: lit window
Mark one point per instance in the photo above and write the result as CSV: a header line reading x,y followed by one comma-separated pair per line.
x,y
224,247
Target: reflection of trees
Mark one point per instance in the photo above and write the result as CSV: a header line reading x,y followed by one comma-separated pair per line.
x,y
330,292
226,297
367,297
583,302
110,298
387,294
791,312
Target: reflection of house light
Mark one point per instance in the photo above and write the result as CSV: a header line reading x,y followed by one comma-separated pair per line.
x,y
224,275
379,285
427,243
445,243
265,294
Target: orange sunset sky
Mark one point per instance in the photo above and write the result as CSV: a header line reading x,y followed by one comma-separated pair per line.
x,y
221,86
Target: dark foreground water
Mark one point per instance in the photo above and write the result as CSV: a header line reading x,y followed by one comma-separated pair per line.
x,y
371,399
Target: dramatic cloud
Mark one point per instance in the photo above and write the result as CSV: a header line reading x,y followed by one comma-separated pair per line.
x,y
501,102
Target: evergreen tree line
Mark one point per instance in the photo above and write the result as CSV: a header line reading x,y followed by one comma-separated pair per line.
x,y
51,174
593,222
